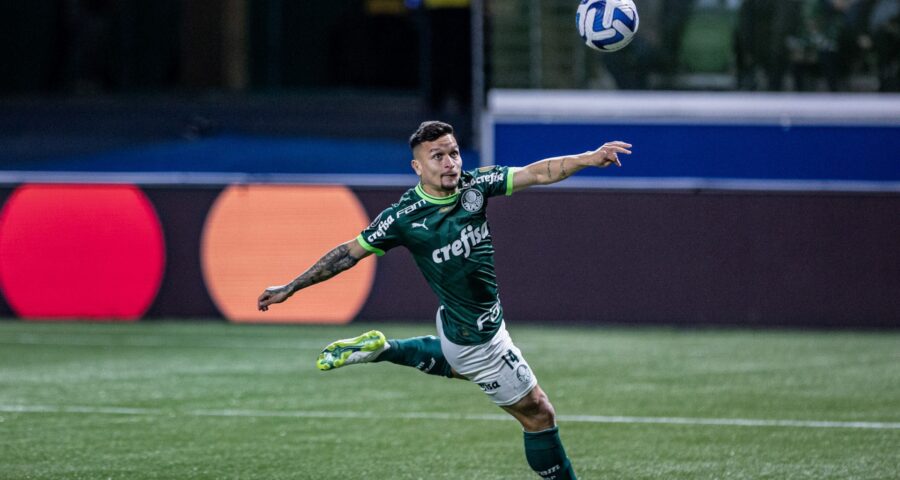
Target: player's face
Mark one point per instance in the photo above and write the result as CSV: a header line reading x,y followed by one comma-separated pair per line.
x,y
438,165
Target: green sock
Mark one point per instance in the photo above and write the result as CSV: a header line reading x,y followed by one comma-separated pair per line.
x,y
546,455
423,353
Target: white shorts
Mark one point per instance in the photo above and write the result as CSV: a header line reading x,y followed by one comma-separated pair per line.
x,y
497,366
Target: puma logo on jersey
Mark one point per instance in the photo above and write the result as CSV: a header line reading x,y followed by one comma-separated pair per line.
x,y
422,225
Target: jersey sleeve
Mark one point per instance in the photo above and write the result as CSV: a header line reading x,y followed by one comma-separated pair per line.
x,y
382,234
494,180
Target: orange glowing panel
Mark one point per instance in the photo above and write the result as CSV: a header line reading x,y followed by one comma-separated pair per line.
x,y
80,251
261,235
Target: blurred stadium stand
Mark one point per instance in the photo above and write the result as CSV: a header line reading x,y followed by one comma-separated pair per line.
x,y
339,132
95,76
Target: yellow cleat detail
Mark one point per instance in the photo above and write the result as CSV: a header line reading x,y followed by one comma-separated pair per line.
x,y
361,349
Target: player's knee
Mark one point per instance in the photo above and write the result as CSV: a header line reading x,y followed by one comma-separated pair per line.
x,y
546,417
538,412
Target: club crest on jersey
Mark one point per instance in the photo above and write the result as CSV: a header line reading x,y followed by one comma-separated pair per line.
x,y
472,200
523,374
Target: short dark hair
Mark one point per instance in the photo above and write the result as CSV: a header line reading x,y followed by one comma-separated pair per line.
x,y
429,131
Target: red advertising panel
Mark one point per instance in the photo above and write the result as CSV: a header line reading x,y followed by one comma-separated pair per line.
x,y
80,251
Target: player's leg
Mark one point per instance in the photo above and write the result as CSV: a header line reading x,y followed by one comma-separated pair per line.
x,y
543,448
501,371
533,411
423,353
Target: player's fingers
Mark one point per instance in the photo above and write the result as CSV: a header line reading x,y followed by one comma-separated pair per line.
x,y
609,148
263,301
611,156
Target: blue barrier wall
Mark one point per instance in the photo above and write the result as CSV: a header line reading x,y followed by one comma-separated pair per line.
x,y
759,140
820,152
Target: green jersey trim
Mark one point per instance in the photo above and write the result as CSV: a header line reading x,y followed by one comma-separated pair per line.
x,y
511,172
435,200
363,243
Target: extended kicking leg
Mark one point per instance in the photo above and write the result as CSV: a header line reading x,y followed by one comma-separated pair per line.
x,y
423,353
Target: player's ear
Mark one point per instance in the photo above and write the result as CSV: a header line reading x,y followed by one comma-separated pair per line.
x,y
416,167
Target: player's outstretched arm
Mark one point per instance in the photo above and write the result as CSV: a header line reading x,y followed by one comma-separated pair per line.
x,y
341,258
552,170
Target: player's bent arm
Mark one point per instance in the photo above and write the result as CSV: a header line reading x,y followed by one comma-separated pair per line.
x,y
342,257
555,169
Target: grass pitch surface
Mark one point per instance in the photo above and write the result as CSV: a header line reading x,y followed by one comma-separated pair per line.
x,y
198,401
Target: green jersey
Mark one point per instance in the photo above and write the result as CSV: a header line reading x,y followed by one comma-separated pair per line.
x,y
450,241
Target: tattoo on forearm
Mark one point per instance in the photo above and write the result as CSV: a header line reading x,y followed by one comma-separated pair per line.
x,y
562,167
549,175
333,263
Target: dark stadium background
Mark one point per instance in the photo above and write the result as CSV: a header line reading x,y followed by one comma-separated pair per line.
x,y
184,98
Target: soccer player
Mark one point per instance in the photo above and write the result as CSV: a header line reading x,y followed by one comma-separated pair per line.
x,y
442,222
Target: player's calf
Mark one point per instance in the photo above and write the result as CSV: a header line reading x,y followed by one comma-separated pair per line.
x,y
546,456
423,353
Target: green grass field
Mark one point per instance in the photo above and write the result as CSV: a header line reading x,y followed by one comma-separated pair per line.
x,y
198,401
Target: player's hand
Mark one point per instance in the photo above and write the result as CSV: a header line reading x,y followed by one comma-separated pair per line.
x,y
272,295
608,154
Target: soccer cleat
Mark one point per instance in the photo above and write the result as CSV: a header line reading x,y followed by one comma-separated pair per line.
x,y
348,351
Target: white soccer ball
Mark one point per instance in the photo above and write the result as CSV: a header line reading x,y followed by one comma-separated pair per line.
x,y
607,25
